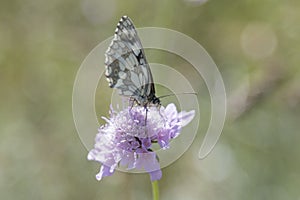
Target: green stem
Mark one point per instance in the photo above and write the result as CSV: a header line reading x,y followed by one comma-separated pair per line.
x,y
155,191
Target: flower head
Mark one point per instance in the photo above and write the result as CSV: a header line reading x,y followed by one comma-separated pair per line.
x,y
127,138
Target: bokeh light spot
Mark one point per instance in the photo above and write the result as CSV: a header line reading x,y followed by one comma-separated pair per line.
x,y
258,40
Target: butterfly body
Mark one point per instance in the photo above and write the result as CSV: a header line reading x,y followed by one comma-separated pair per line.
x,y
127,68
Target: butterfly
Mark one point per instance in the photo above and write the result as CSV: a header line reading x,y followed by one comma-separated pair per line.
x,y
127,68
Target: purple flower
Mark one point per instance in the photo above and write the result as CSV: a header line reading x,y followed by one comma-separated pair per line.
x,y
127,137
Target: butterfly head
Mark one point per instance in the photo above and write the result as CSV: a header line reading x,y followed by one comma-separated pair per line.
x,y
146,101
155,100
152,100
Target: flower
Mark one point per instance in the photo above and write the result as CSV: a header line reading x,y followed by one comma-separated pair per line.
x,y
128,136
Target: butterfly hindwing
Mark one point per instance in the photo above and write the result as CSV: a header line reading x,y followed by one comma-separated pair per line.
x,y
126,66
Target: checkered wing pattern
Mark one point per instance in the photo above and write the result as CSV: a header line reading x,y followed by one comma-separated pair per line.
x,y
126,66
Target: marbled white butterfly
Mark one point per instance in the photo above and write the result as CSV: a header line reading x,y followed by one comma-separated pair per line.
x,y
126,66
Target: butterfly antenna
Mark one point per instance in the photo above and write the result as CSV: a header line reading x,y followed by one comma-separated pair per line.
x,y
167,95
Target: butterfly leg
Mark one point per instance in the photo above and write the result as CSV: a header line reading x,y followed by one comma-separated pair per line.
x,y
146,115
146,132
132,101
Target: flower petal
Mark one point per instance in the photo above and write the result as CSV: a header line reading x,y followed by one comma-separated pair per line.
x,y
155,175
104,171
163,138
129,159
148,161
186,117
171,111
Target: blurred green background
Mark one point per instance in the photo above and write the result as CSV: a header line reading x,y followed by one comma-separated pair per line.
x,y
254,43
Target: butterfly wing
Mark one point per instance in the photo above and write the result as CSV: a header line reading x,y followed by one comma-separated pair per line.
x,y
126,66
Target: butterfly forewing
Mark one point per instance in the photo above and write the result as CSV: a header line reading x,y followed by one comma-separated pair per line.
x,y
126,66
